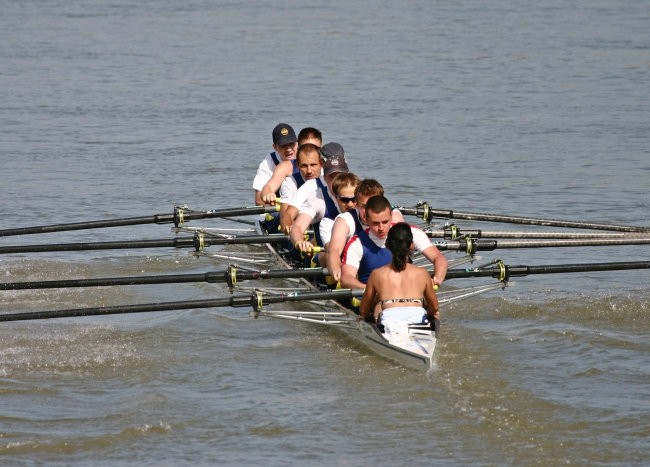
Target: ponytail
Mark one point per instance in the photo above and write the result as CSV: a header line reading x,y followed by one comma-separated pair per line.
x,y
399,242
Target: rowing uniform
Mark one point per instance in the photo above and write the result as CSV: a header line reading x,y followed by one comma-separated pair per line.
x,y
315,200
291,184
265,170
366,252
412,314
353,222
323,210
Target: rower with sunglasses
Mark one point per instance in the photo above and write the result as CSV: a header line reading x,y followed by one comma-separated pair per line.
x,y
317,203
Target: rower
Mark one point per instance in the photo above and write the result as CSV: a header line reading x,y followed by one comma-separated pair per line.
x,y
285,145
352,222
286,177
401,289
321,208
333,157
366,250
310,166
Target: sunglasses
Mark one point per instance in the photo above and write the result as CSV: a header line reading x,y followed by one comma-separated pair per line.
x,y
347,199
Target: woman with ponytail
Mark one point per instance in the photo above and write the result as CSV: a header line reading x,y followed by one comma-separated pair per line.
x,y
403,291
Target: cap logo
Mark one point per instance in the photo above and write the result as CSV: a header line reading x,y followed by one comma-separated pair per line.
x,y
335,162
284,132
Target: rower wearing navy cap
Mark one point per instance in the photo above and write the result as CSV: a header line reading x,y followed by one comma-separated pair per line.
x,y
285,145
286,178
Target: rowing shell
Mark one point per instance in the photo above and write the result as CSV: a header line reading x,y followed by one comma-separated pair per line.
x,y
412,348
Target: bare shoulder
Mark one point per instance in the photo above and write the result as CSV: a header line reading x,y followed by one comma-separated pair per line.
x,y
418,272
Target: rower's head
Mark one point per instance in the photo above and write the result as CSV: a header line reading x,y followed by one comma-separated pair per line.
x,y
400,243
343,187
310,135
285,142
365,190
334,162
309,161
378,216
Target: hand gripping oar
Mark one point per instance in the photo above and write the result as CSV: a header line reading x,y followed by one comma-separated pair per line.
x,y
199,241
180,215
256,300
426,212
503,272
231,276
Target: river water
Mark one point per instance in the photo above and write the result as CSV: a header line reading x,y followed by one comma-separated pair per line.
x,y
117,109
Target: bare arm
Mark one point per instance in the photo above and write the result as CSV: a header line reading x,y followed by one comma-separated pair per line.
x,y
335,247
258,198
433,308
282,171
288,214
439,263
369,299
349,278
297,233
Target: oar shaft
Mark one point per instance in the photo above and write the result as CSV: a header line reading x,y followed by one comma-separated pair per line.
x,y
452,234
257,300
156,219
122,309
178,217
109,281
471,246
567,268
231,276
427,213
510,271
178,242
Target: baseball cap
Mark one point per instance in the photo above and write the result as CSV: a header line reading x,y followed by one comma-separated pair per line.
x,y
284,134
334,159
332,149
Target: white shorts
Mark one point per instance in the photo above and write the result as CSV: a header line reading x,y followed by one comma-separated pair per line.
x,y
411,314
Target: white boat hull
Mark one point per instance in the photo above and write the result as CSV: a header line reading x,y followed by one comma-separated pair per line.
x,y
414,350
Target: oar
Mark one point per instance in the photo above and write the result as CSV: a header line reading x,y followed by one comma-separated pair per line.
x,y
503,272
199,241
453,232
178,217
471,246
231,276
257,300
426,212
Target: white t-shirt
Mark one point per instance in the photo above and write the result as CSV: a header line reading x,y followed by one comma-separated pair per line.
x,y
325,229
288,190
354,250
302,194
312,202
349,220
265,172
